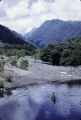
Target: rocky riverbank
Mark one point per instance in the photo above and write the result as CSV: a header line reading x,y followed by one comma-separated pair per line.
x,y
40,73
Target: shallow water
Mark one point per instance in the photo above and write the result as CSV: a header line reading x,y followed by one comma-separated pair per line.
x,y
37,104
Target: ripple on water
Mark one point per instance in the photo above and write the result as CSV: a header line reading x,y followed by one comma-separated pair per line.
x,y
37,104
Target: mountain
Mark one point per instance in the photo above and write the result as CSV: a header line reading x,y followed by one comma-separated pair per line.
x,y
53,31
9,36
30,33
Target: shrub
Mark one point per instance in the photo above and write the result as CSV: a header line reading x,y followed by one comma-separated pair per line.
x,y
8,78
2,63
46,52
23,64
71,57
55,57
13,61
2,57
36,54
1,84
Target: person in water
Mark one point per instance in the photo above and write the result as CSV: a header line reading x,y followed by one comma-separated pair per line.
x,y
53,98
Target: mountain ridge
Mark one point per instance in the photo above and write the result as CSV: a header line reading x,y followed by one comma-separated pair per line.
x,y
9,36
55,30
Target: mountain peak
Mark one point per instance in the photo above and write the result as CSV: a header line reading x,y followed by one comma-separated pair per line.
x,y
54,20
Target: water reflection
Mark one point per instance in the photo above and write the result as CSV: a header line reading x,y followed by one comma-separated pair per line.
x,y
37,105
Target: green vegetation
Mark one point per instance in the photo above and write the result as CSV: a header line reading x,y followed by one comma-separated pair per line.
x,y
2,63
1,84
36,54
8,78
67,53
16,50
13,52
13,61
23,64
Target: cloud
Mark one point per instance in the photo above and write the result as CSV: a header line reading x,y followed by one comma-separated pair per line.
x,y
17,10
23,15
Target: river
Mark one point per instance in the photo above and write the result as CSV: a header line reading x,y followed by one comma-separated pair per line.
x,y
37,104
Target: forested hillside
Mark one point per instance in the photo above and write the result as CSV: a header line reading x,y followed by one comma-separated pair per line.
x,y
67,53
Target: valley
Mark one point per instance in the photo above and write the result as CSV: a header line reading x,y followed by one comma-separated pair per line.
x,y
25,68
25,64
40,59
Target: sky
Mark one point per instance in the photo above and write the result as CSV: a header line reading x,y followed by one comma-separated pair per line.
x,y
25,15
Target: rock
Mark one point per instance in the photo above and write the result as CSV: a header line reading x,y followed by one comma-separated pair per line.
x,y
8,91
5,91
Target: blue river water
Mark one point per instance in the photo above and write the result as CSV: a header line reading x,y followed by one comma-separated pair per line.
x,y
37,104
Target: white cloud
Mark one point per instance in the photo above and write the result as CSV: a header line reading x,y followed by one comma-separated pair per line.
x,y
18,10
22,17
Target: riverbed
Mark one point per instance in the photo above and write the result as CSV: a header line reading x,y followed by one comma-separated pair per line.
x,y
39,72
35,103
